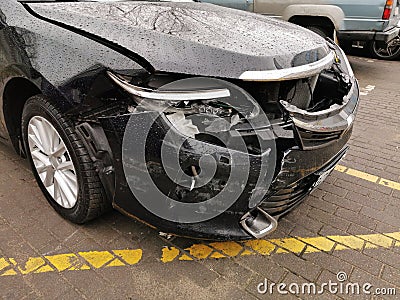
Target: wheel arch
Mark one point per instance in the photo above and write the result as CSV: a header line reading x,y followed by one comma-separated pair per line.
x,y
329,15
16,92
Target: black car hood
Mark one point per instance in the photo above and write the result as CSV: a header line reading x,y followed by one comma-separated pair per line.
x,y
191,38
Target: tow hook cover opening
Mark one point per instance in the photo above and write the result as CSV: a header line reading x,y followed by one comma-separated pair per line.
x,y
258,223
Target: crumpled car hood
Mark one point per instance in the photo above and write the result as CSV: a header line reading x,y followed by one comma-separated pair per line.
x,y
192,38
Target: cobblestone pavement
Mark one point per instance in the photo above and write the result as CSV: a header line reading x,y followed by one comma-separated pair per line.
x,y
351,224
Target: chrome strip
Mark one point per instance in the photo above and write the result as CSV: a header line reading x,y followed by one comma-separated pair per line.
x,y
290,73
168,95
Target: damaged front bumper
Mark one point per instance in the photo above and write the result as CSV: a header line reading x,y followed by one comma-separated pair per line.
x,y
310,137
299,170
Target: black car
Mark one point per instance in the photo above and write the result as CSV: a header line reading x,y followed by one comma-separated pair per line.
x,y
198,120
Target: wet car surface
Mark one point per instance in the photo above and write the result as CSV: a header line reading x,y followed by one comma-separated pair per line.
x,y
230,130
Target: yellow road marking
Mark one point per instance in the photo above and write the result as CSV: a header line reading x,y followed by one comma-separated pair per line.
x,y
392,184
92,260
294,245
375,241
263,247
362,175
228,248
70,262
394,235
319,243
289,244
99,259
131,257
368,177
351,242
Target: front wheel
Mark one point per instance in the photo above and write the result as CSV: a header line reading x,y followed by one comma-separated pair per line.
x,y
61,163
386,51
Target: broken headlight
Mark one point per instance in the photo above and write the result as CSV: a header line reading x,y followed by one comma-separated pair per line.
x,y
193,104
342,60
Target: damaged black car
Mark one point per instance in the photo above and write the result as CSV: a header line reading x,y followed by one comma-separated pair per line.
x,y
198,120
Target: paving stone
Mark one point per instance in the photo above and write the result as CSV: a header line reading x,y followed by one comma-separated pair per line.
x,y
328,262
50,285
323,204
297,265
360,260
356,218
387,256
378,204
329,219
333,189
391,275
379,215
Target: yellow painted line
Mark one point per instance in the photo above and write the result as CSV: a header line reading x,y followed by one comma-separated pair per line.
x,y
263,247
351,242
318,244
89,260
296,245
368,177
394,235
392,184
92,260
289,244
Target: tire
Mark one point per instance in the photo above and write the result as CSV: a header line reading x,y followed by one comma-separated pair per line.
x,y
60,161
320,31
384,51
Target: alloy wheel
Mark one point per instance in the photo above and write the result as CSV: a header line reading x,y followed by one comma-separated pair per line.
x,y
53,162
389,50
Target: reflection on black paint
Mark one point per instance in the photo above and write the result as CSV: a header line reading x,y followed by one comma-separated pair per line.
x,y
190,38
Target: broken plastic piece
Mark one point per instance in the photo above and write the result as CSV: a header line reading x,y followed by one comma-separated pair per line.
x,y
183,125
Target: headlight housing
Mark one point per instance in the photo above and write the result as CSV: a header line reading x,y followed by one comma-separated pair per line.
x,y
213,105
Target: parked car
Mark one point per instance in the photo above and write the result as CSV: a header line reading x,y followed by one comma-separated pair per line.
x,y
198,120
374,24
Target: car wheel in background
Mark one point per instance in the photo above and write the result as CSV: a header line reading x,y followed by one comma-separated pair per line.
x,y
320,31
61,163
387,51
